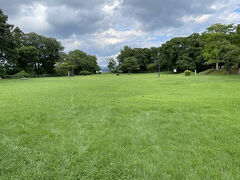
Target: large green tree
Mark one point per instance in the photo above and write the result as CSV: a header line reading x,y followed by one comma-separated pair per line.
x,y
129,64
8,47
230,55
28,59
215,36
49,51
77,61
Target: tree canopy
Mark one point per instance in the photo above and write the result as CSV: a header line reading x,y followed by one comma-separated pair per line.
x,y
37,54
217,45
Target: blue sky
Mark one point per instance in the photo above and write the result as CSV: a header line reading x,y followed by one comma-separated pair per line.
x,y
103,27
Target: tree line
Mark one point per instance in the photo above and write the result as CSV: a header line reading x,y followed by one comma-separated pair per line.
x,y
37,55
218,46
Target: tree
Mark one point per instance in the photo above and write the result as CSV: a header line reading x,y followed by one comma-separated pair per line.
x,y
18,35
8,52
151,67
2,71
129,64
185,63
111,64
64,68
49,51
28,58
215,36
230,55
77,61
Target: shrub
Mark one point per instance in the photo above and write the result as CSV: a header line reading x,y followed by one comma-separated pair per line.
x,y
187,72
84,73
21,74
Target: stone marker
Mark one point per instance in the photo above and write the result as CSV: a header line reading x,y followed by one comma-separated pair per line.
x,y
24,79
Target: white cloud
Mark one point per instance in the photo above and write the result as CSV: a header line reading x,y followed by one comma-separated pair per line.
x,y
32,18
104,27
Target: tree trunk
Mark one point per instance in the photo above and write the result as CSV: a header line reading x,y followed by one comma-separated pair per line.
x,y
72,72
159,71
217,67
128,72
228,70
239,70
68,74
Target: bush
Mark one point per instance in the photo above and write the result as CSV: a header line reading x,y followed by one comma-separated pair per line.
x,y
21,74
84,73
187,72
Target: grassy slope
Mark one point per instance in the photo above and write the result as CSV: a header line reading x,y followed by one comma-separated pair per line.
x,y
126,127
220,72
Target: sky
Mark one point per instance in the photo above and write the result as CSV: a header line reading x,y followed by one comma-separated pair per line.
x,y
103,27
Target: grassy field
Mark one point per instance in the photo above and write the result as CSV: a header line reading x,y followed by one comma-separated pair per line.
x,y
126,127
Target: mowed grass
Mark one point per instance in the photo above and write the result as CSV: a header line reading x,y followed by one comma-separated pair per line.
x,y
127,127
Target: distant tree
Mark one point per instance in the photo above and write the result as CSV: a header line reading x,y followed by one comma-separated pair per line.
x,y
215,36
28,59
77,61
49,51
125,53
185,62
129,64
18,37
151,67
230,55
64,68
111,64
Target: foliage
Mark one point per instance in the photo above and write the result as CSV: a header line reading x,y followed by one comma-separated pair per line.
x,y
21,74
151,67
129,64
2,71
230,55
50,51
195,52
85,73
112,64
28,57
187,72
77,61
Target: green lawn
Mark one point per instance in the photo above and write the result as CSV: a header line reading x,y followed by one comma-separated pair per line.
x,y
126,127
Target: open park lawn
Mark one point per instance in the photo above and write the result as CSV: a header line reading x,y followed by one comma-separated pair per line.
x,y
120,127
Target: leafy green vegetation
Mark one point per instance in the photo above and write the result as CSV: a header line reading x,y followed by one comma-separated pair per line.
x,y
187,72
219,45
120,127
85,73
234,71
21,74
38,55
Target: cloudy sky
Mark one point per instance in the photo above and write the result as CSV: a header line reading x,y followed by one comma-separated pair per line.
x,y
103,27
